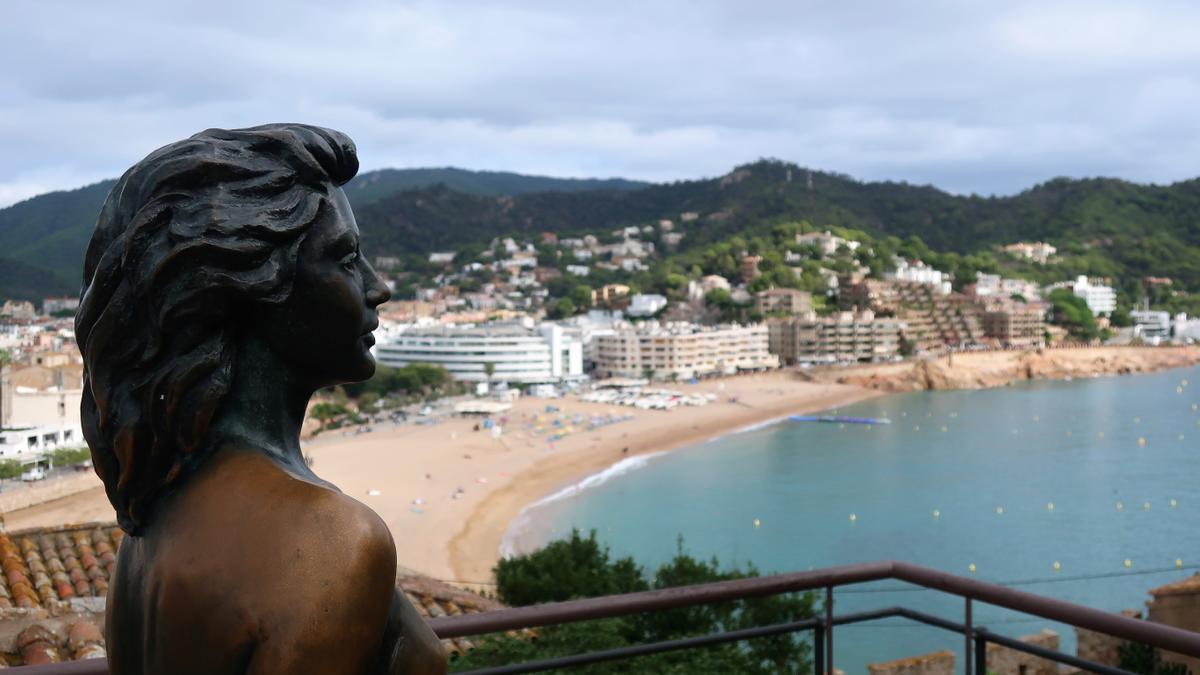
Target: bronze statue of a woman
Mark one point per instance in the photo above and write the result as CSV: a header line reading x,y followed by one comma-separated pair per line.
x,y
223,286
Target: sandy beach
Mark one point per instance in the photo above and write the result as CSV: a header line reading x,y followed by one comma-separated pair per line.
x,y
410,474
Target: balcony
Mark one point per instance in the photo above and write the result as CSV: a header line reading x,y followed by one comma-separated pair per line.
x,y
974,639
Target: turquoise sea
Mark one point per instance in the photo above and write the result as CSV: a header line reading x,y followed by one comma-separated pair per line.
x,y
1089,474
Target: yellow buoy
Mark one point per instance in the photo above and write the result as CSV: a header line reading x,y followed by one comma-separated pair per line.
x,y
1036,418
916,427
1049,506
1141,441
937,513
1184,383
1174,503
1178,390
1120,506
999,510
1100,434
945,428
1128,563
853,518
1057,566
757,522
1179,562
1145,506
971,568
1181,437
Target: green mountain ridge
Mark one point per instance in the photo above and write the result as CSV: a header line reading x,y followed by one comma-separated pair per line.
x,y
1104,227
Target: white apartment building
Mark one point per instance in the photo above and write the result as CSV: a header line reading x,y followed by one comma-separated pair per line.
x,y
30,443
646,304
996,286
518,353
1038,251
682,350
1151,324
826,242
1100,299
918,272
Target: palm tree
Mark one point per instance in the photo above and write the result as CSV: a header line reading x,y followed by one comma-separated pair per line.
x,y
489,369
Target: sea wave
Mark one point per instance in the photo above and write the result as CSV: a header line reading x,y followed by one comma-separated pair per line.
x,y
752,427
521,524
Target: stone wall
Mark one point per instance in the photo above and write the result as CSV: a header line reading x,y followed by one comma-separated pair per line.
x,y
1100,647
1178,607
21,497
937,663
1006,661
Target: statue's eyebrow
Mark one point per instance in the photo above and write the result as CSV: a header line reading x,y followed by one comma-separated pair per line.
x,y
346,241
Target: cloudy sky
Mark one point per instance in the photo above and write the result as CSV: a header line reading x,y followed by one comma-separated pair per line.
x,y
986,97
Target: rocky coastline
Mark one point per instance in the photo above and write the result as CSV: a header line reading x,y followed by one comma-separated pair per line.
x,y
984,370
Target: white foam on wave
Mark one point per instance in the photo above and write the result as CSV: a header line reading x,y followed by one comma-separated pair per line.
x,y
520,525
753,427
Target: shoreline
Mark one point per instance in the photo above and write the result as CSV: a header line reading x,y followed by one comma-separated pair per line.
x,y
476,547
450,493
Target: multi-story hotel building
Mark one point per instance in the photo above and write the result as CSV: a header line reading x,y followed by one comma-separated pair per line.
x,y
844,336
1014,323
682,350
783,300
517,353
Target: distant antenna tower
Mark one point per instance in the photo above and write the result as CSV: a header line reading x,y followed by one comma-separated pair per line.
x,y
808,181
789,176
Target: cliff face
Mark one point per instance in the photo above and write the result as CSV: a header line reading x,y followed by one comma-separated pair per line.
x,y
998,369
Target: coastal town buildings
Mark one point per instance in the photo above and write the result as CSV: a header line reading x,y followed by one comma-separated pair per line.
x,y
826,242
840,337
1037,251
18,309
1100,298
783,300
749,267
646,304
517,352
1015,323
682,350
917,272
59,304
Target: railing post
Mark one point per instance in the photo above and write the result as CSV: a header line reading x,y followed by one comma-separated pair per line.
x,y
829,630
967,630
819,648
980,655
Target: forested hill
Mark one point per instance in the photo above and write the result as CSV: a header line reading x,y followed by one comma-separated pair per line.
x,y
49,233
1109,227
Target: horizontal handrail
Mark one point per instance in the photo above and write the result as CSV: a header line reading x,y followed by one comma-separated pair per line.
x,y
1135,630
498,621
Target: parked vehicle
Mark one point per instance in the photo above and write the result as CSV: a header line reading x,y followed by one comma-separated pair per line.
x,y
34,473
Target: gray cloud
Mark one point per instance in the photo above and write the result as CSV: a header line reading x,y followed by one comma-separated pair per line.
x,y
970,96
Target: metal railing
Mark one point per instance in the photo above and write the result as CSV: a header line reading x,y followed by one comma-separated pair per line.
x,y
975,638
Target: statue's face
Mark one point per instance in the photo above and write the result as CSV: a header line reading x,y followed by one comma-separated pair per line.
x,y
324,328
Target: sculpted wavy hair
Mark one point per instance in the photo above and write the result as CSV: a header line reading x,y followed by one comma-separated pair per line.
x,y
189,242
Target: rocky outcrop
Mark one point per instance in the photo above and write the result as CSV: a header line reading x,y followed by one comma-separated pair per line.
x,y
982,370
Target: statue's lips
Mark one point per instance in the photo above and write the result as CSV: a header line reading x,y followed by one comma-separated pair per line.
x,y
369,339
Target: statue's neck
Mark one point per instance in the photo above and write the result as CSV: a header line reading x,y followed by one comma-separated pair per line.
x,y
264,409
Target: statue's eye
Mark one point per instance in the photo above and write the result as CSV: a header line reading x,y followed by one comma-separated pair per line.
x,y
351,259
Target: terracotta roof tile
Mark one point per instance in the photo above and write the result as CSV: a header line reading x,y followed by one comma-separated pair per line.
x,y
1187,586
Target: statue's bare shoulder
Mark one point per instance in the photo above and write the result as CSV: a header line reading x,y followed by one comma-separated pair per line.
x,y
317,589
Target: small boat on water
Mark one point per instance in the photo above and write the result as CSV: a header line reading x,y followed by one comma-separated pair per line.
x,y
839,419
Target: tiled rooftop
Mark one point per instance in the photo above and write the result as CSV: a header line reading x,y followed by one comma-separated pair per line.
x,y
54,581
45,566
1188,586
